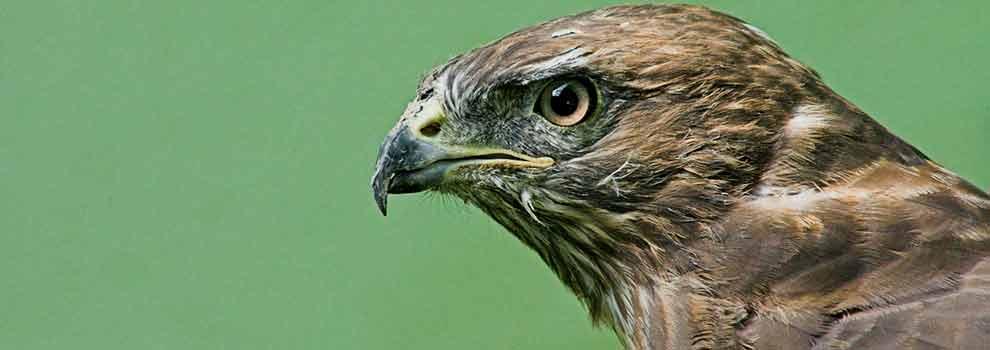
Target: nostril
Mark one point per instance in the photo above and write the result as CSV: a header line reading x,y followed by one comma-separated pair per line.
x,y
431,129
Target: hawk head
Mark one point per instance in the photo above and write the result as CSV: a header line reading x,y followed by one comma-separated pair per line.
x,y
617,142
625,117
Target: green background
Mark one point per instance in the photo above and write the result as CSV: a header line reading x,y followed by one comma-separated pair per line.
x,y
194,174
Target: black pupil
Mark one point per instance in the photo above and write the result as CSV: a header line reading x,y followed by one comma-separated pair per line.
x,y
563,100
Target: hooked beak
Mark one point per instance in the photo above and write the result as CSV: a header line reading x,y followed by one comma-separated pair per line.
x,y
413,159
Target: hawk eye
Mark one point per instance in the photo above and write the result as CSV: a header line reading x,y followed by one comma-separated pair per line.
x,y
566,102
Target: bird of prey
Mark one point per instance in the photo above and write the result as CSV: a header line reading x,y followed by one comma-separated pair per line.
x,y
697,188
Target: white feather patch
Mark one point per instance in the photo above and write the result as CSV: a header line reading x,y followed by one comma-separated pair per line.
x,y
526,198
806,119
564,32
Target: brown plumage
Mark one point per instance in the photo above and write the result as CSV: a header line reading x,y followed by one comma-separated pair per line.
x,y
716,195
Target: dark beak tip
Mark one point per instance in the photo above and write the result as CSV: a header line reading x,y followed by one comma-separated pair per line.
x,y
379,190
382,201
382,206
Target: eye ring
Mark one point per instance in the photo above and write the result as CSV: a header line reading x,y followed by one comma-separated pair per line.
x,y
566,102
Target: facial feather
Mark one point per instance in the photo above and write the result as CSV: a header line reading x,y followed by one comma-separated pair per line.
x,y
722,192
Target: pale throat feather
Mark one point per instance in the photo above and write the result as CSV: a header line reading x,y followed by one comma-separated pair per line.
x,y
576,241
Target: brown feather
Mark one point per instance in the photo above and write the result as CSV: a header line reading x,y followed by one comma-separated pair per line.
x,y
726,198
